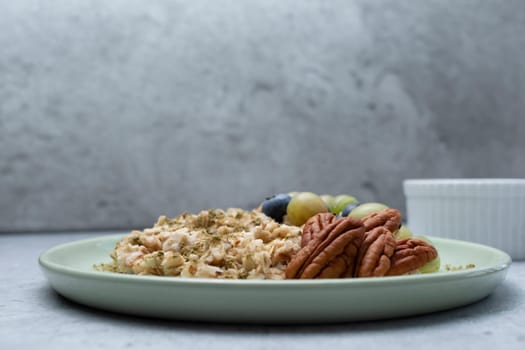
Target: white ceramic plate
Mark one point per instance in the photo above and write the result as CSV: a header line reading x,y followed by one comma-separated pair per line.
x,y
69,269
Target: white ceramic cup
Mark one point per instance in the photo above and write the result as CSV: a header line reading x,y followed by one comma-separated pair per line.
x,y
487,211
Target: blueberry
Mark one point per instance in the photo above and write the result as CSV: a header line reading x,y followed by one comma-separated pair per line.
x,y
348,208
275,206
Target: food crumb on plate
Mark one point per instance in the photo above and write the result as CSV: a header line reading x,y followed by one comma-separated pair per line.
x,y
459,267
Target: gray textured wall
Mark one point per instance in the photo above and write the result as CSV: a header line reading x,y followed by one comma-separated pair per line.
x,y
113,112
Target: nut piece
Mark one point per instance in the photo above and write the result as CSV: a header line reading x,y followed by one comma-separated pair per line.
x,y
330,252
314,225
388,218
374,255
411,254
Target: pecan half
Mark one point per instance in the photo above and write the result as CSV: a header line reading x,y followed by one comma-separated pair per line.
x,y
330,252
388,218
374,255
411,254
314,225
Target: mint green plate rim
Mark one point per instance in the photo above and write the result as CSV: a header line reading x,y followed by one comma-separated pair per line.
x,y
47,260
69,270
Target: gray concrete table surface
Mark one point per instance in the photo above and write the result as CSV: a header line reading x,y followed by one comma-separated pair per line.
x,y
33,315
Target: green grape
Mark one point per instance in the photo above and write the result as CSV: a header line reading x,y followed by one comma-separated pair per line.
x,y
293,194
432,266
403,233
329,200
366,209
303,206
340,202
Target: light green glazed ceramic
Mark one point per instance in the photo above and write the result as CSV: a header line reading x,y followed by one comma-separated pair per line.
x,y
69,269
